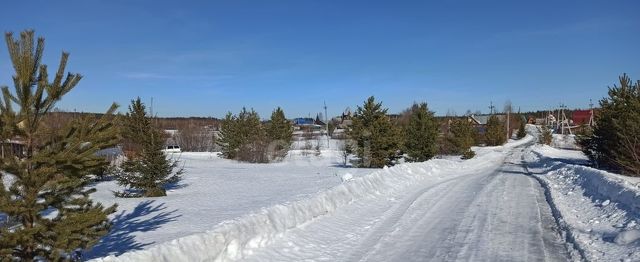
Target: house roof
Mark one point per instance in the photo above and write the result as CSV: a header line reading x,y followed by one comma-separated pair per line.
x,y
303,121
483,119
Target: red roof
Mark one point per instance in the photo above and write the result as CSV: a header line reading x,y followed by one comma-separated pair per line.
x,y
581,117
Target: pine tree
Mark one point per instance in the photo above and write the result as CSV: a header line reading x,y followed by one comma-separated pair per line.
x,y
495,134
54,174
377,141
147,171
420,134
229,138
545,136
280,134
462,137
521,130
243,137
615,142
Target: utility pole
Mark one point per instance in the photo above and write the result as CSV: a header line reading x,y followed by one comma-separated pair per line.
x,y
326,122
508,116
491,107
558,119
560,114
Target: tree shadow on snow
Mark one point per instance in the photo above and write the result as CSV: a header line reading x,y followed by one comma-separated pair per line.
x,y
121,238
176,185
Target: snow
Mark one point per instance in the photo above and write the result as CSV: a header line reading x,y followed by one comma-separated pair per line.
x,y
213,191
483,209
346,177
564,141
627,237
598,211
237,238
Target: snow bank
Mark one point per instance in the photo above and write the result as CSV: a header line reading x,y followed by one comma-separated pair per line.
x,y
235,239
346,177
564,141
599,210
596,183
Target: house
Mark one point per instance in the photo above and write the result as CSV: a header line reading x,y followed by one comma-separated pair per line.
x,y
480,121
582,117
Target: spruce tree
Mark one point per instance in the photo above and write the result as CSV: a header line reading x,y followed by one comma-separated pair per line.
x,y
280,134
420,134
616,136
495,134
49,193
377,141
148,171
521,130
462,136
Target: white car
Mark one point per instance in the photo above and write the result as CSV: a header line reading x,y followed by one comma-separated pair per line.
x,y
172,149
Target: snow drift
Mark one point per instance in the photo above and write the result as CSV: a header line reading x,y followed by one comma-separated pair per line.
x,y
599,211
596,183
235,239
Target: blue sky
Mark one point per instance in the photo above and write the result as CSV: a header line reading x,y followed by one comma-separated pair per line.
x,y
206,58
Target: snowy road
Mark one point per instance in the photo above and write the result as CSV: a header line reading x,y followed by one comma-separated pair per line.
x,y
491,215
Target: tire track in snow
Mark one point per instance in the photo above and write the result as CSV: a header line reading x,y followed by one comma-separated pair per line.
x,y
372,241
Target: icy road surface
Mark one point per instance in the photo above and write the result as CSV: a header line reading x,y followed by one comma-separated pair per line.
x,y
491,215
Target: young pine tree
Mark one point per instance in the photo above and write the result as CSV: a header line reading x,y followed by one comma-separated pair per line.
x,y
346,149
420,134
147,171
495,134
53,174
462,137
615,142
280,134
521,130
545,136
229,139
243,137
376,140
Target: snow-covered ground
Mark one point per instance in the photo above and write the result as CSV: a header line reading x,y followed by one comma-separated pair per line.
x,y
598,211
215,190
